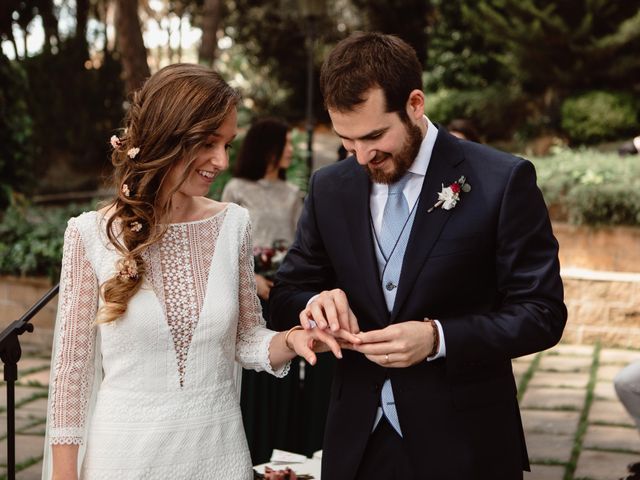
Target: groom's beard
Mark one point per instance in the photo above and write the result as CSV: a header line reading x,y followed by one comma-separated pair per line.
x,y
402,161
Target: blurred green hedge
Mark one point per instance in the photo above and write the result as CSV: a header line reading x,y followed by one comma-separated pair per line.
x,y
17,147
584,186
597,116
31,238
496,111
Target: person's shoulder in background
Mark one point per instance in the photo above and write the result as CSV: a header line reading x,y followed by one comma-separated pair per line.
x,y
632,147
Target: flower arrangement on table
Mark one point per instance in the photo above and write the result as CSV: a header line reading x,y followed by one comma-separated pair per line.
x,y
285,474
267,260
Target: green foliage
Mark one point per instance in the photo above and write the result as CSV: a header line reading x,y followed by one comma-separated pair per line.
x,y
561,45
598,115
584,186
75,111
298,171
405,18
31,239
459,57
16,132
270,38
551,49
495,110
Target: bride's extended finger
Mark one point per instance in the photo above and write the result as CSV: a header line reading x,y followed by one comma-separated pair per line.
x,y
302,348
347,336
317,346
329,340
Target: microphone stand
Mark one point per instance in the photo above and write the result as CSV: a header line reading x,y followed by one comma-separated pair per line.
x,y
10,353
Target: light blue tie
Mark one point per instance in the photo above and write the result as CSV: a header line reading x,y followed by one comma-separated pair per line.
x,y
394,218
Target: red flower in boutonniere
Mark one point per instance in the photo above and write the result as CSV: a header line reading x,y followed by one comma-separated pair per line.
x,y
449,196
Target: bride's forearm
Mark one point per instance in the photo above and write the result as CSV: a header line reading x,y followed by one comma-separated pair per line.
x,y
65,462
281,348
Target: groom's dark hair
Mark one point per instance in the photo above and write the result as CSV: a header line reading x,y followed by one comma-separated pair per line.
x,y
366,60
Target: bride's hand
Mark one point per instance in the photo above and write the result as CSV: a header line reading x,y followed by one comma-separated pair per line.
x,y
306,342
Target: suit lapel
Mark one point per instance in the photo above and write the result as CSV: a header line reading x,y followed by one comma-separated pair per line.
x,y
445,158
357,189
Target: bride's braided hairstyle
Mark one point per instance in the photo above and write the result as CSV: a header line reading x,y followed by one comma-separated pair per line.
x,y
168,121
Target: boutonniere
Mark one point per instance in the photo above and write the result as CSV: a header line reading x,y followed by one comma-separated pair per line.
x,y
449,196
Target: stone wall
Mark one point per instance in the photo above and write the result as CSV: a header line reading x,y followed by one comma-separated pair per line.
x,y
602,306
615,249
601,274
17,295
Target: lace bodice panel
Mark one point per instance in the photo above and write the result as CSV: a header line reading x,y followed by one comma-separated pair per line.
x,y
178,269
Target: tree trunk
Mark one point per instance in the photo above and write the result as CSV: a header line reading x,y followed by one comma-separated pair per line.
x,y
49,24
80,39
180,38
169,36
133,54
12,39
25,35
210,22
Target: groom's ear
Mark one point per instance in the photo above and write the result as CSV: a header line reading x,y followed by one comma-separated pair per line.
x,y
415,104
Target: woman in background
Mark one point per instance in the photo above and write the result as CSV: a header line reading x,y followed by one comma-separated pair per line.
x,y
289,413
260,186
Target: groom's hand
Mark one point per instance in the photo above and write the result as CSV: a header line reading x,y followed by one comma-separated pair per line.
x,y
398,345
331,313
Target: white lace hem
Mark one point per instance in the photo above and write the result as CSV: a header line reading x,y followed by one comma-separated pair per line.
x,y
66,436
280,372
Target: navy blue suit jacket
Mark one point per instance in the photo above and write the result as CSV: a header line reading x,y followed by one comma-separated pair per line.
x,y
487,269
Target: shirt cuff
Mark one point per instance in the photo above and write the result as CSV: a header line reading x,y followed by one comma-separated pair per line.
x,y
442,348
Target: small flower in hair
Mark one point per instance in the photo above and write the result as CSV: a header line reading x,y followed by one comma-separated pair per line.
x,y
115,142
135,226
127,269
132,152
125,190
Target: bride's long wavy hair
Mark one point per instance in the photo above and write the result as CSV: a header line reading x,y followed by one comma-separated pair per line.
x,y
168,121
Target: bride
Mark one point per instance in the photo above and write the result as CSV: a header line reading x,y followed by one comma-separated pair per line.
x,y
158,301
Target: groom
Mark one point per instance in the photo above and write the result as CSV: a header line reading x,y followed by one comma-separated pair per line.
x,y
439,253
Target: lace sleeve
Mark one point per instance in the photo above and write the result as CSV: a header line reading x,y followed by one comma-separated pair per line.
x,y
75,338
253,338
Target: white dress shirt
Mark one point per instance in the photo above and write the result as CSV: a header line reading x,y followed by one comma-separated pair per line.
x,y
411,192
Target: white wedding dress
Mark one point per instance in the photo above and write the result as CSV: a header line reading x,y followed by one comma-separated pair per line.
x,y
153,395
